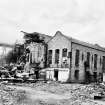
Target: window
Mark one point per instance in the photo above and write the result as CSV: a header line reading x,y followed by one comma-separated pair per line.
x,y
69,54
82,56
103,64
95,61
64,52
77,58
50,57
88,59
57,56
92,58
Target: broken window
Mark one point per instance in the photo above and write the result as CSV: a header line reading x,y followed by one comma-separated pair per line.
x,y
77,74
88,59
57,56
77,58
103,64
64,52
50,57
95,61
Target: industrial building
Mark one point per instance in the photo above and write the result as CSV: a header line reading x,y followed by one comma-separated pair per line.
x,y
67,59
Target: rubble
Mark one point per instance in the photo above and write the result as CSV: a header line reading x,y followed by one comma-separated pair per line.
x,y
10,96
75,94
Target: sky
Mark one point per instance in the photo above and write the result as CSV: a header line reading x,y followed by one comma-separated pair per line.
x,y
80,19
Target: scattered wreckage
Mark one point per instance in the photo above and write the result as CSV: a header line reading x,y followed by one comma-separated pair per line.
x,y
101,94
18,75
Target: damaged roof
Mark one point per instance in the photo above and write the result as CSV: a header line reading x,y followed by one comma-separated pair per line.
x,y
44,37
47,38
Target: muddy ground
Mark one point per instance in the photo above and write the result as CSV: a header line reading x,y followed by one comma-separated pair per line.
x,y
52,93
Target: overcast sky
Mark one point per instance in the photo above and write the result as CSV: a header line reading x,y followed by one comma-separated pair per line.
x,y
81,19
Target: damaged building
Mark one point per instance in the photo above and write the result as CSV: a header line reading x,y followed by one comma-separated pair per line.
x,y
36,49
66,59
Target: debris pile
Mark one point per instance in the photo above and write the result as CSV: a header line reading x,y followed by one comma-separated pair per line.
x,y
10,96
70,94
75,94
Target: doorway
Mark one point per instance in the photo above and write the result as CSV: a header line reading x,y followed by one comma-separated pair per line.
x,y
56,74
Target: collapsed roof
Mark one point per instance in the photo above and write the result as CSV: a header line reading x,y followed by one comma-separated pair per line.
x,y
36,37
